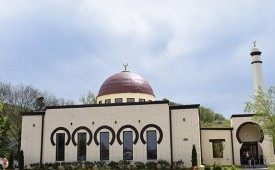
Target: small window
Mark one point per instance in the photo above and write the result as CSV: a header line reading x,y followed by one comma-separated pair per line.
x,y
60,146
141,100
130,100
151,145
108,101
118,100
127,145
100,102
104,146
217,147
81,147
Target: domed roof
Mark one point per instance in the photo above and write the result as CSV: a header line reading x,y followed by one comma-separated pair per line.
x,y
125,82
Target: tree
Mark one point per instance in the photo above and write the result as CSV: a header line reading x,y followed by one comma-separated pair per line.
x,y
21,160
209,118
194,157
3,122
11,162
24,98
89,98
263,108
4,126
170,102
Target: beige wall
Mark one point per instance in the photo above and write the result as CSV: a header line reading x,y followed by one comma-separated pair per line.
x,y
185,133
127,114
94,117
31,138
124,97
266,145
207,148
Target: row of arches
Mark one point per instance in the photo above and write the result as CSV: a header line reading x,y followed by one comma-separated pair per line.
x,y
71,137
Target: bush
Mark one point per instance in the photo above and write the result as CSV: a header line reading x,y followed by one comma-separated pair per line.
x,y
178,164
11,160
123,164
21,160
151,165
89,164
163,164
100,164
233,167
55,165
34,165
113,165
140,165
217,166
67,165
207,167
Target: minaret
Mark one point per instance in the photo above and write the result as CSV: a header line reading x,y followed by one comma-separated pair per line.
x,y
257,68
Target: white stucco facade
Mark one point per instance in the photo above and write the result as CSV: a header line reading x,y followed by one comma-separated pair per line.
x,y
149,114
177,130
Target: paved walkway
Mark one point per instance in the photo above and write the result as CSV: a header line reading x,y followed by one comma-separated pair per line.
x,y
262,167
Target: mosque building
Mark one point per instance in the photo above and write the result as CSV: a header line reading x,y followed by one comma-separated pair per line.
x,y
128,123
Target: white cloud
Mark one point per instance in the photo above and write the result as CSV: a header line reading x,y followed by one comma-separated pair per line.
x,y
190,51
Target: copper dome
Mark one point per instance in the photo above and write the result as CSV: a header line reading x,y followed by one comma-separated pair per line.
x,y
125,82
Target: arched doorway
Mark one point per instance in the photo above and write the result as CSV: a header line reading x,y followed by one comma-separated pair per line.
x,y
249,134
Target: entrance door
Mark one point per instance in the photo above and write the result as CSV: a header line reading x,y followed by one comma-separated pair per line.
x,y
249,146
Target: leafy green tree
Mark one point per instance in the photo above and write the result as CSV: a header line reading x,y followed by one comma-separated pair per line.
x,y
209,118
89,98
4,126
170,102
40,104
206,114
3,121
263,108
194,157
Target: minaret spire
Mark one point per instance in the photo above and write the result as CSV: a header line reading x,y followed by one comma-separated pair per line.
x,y
257,68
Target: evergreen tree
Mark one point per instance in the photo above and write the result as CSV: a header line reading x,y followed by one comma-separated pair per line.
x,y
21,160
194,156
11,160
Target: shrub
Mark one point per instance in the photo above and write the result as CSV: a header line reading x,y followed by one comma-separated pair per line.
x,y
163,164
11,160
55,165
100,164
67,165
217,166
123,164
178,164
34,165
233,167
21,160
89,164
194,157
151,165
140,165
207,167
113,165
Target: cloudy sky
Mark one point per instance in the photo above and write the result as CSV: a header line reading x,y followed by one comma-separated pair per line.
x,y
191,52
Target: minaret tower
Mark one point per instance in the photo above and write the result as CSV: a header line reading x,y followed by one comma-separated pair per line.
x,y
257,68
